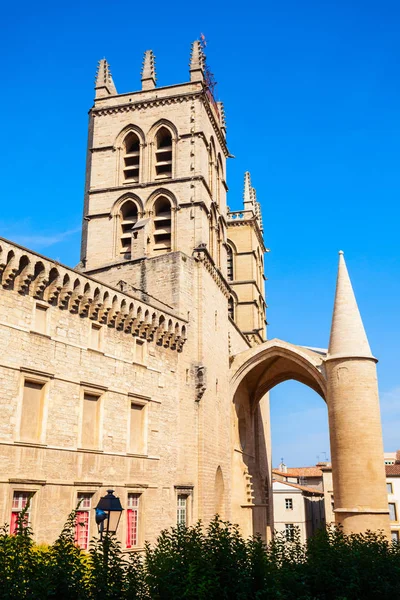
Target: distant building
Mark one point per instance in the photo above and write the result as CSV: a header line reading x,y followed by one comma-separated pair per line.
x,y
297,506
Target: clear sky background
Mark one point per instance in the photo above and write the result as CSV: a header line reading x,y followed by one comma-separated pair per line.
x,y
311,92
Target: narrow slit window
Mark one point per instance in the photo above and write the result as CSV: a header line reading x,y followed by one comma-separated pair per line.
x,y
139,351
82,523
32,409
162,225
95,333
231,308
129,216
19,502
136,434
41,318
392,511
132,520
131,158
229,259
163,154
181,509
90,421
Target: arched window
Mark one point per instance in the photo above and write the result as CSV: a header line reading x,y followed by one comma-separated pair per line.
x,y
231,308
162,224
131,157
229,263
129,216
163,153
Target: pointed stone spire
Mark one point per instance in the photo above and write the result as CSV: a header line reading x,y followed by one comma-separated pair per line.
x,y
148,71
257,208
104,84
221,111
248,194
348,337
197,62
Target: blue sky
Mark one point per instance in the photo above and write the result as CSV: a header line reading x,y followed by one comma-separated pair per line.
x,y
311,93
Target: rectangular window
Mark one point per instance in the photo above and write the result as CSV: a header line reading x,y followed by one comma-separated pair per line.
x,y
20,500
132,520
181,509
41,318
290,530
32,408
392,511
139,351
288,503
90,421
136,445
95,340
83,521
389,488
395,536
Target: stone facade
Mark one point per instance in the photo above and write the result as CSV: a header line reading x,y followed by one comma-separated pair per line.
x,y
146,369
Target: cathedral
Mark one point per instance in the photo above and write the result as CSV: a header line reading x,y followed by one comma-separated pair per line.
x,y
146,369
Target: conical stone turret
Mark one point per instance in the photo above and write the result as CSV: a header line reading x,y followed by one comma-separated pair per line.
x,y
348,337
354,418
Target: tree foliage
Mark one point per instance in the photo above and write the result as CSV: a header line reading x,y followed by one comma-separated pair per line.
x,y
197,563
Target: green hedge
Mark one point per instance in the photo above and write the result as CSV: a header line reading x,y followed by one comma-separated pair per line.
x,y
196,563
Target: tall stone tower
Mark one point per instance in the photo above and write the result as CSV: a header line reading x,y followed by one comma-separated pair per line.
x,y
156,169
354,417
156,185
246,266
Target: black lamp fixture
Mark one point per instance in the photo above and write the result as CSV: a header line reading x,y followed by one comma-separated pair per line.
x,y
108,513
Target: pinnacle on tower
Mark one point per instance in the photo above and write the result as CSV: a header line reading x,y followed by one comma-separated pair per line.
x,y
221,111
197,62
248,194
104,84
257,208
348,337
148,71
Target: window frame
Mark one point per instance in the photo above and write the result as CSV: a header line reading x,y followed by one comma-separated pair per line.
x,y
96,327
389,487
162,150
86,510
289,503
394,505
139,520
142,401
184,491
45,309
290,530
32,376
99,393
124,155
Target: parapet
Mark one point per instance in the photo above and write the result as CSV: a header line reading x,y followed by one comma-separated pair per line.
x,y
28,273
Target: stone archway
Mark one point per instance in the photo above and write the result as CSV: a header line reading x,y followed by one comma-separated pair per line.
x,y
254,373
347,383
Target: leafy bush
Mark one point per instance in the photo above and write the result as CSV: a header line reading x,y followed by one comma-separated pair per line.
x,y
197,563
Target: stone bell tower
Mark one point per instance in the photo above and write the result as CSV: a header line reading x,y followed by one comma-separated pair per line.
x,y
156,168
354,418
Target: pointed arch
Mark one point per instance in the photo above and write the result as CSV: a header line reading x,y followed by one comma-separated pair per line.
x,y
130,143
163,137
219,488
126,211
276,361
162,208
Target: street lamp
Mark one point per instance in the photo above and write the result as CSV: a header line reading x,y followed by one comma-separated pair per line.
x,y
108,513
